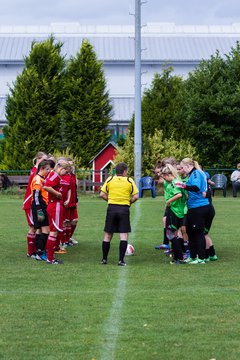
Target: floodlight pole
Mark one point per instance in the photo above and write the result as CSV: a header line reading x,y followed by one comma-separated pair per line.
x,y
137,118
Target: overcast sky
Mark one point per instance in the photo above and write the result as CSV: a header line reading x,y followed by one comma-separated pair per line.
x,y
116,12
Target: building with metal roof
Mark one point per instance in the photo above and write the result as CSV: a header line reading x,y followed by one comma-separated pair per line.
x,y
163,44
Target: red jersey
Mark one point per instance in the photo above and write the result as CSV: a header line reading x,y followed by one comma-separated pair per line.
x,y
65,182
27,202
73,187
53,180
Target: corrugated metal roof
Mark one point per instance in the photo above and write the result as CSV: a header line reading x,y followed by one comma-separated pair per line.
x,y
121,48
123,108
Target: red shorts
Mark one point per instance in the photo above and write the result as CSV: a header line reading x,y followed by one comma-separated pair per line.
x,y
66,214
73,214
28,213
55,216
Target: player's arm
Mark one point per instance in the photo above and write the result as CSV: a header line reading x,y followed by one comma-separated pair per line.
x,y
103,195
52,191
68,198
174,198
36,200
133,198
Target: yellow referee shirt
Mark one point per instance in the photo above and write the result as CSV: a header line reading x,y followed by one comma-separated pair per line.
x,y
120,189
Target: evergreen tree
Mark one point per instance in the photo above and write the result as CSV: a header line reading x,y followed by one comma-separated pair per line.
x,y
87,109
213,109
33,106
155,147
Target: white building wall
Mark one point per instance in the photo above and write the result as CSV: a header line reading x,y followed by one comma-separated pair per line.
x,y
8,74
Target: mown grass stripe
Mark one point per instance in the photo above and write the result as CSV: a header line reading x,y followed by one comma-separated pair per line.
x,y
112,326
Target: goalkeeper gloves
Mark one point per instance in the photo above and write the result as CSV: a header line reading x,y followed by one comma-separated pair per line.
x,y
40,215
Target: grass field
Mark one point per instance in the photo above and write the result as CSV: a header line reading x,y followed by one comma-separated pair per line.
x,y
146,310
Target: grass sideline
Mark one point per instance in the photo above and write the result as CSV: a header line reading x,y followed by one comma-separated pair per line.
x,y
148,310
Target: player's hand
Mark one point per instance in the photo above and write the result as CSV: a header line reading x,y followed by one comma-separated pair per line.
x,y
179,184
40,215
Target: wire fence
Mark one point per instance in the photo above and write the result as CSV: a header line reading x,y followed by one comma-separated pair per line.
x,y
88,179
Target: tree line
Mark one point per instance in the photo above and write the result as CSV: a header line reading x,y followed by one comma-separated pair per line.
x,y
56,106
59,105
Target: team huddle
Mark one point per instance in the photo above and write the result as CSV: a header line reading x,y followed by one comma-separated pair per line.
x,y
189,211
50,205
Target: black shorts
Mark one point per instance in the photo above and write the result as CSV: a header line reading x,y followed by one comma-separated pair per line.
x,y
173,221
117,219
199,217
209,220
38,224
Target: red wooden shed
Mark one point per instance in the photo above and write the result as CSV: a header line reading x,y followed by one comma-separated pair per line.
x,y
103,161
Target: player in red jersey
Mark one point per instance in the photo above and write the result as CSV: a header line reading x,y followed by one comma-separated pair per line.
x,y
31,248
72,206
55,207
66,194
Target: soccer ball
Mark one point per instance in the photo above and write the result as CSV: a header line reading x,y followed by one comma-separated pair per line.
x,y
130,250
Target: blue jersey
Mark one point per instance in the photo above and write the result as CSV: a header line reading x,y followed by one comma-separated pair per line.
x,y
196,199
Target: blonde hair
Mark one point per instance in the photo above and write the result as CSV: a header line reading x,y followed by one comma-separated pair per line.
x,y
189,161
38,156
168,169
62,164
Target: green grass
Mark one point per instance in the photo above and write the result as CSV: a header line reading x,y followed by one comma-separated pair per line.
x,y
147,310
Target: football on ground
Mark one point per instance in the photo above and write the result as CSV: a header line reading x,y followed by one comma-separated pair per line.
x,y
130,250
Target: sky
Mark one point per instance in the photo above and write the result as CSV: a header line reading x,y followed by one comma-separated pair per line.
x,y
116,12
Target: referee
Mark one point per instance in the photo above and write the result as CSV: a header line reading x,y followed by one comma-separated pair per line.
x,y
120,192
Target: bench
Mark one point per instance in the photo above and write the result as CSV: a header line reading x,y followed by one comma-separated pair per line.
x,y
20,180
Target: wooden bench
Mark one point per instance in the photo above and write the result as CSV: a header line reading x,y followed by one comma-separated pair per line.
x,y
20,180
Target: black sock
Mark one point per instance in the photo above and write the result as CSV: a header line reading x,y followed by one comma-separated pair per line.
x,y
105,249
38,243
207,253
122,249
177,249
182,243
44,238
165,239
212,251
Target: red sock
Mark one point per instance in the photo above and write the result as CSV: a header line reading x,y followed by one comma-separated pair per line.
x,y
64,235
51,246
59,239
68,233
73,227
31,247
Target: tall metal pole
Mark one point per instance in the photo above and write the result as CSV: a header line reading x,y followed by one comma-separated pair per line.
x,y
138,115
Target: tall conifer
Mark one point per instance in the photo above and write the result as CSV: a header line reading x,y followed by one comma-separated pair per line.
x,y
33,106
87,108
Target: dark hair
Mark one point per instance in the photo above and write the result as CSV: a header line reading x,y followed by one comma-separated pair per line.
x,y
51,163
120,168
44,163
